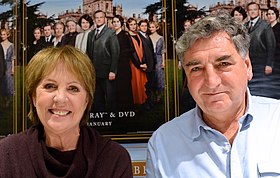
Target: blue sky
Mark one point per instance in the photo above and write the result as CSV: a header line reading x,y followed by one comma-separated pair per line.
x,y
59,6
129,6
201,3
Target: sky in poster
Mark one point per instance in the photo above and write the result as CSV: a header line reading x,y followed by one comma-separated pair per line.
x,y
129,6
59,6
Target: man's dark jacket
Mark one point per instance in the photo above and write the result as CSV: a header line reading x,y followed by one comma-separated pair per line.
x,y
103,51
262,45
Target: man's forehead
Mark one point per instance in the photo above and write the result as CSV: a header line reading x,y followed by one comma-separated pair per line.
x,y
215,39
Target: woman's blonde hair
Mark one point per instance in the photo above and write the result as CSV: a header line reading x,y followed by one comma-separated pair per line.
x,y
46,60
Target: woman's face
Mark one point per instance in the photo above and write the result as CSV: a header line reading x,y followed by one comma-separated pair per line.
x,y
271,16
152,28
187,25
238,16
60,101
71,26
58,30
133,26
116,23
85,24
37,34
4,35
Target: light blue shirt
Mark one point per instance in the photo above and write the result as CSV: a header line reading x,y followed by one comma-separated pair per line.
x,y
187,148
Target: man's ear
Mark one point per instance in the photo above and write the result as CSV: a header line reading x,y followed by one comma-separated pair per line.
x,y
249,67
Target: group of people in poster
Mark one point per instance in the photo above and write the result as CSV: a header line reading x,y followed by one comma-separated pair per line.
x,y
128,60
264,48
128,56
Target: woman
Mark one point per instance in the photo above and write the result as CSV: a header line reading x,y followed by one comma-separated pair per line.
x,y
239,14
137,65
159,50
85,22
70,37
272,16
123,78
59,29
8,79
35,45
60,84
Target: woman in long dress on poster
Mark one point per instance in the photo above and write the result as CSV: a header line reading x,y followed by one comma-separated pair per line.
x,y
159,50
123,78
8,80
138,66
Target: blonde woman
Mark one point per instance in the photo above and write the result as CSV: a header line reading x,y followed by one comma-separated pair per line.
x,y
159,50
9,56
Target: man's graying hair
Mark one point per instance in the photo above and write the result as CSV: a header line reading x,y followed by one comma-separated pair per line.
x,y
208,27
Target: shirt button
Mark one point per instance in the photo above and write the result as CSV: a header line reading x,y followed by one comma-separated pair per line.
x,y
226,148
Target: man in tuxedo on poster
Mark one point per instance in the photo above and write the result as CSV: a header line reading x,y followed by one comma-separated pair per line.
x,y
149,57
103,49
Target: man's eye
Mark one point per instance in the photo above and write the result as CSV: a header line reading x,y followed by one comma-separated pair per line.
x,y
49,86
74,89
195,69
224,64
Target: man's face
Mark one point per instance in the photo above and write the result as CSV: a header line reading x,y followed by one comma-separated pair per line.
x,y
253,11
47,31
143,27
217,75
99,19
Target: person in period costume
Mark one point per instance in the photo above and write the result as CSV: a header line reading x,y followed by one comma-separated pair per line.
x,y
70,37
59,29
123,78
103,49
138,66
273,15
8,79
262,48
35,46
47,39
149,57
85,22
159,50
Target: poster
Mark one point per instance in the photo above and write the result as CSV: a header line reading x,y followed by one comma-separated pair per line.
x,y
123,122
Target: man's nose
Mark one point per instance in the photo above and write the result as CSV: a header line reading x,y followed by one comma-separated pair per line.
x,y
212,77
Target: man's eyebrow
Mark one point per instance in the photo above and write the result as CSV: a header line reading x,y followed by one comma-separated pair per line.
x,y
193,63
222,58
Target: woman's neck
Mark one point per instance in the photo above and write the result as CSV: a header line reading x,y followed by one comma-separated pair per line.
x,y
273,23
118,31
63,142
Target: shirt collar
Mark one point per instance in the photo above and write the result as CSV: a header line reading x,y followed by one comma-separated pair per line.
x,y
142,33
100,28
244,121
254,20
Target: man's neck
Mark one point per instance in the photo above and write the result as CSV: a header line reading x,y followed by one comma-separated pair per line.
x,y
253,18
98,26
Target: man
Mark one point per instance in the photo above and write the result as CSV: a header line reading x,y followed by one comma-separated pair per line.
x,y
230,133
261,52
149,57
47,40
103,49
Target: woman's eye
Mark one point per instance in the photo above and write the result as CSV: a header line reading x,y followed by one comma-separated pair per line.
x,y
74,89
49,86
